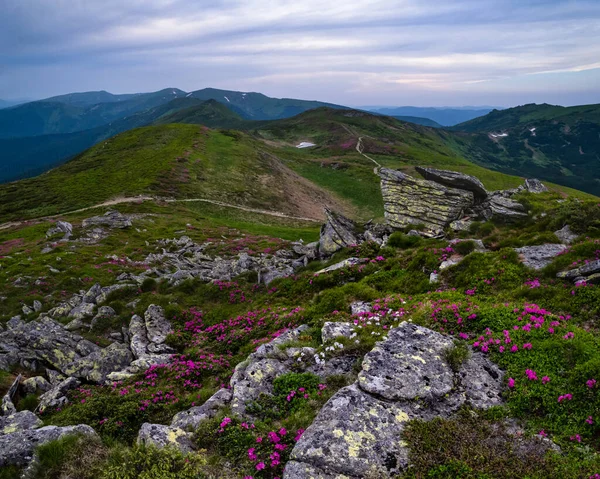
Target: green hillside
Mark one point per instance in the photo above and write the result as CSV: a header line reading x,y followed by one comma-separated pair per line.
x,y
256,106
418,120
553,143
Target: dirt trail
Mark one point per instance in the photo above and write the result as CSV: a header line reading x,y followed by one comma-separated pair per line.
x,y
136,199
360,149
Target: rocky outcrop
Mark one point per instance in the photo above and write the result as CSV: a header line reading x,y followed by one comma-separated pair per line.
x,y
190,419
499,207
337,233
540,256
454,179
409,201
61,227
358,433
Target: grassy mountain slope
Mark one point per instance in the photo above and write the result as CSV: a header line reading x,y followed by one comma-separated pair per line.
x,y
181,161
28,156
553,143
56,117
256,106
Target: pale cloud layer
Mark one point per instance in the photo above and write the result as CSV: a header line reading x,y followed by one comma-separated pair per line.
x,y
356,52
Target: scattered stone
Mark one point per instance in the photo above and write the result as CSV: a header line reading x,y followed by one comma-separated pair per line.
x,y
104,313
479,246
534,185
342,264
503,209
157,326
27,310
35,385
37,306
19,421
538,257
333,330
162,436
7,407
588,269
83,311
61,227
461,225
565,235
190,420
359,307
56,397
111,219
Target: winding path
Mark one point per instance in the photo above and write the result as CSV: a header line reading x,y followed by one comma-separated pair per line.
x,y
137,199
360,149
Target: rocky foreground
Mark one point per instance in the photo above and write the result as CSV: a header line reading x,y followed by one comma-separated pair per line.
x,y
394,371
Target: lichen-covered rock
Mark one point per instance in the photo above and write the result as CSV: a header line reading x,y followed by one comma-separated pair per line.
x,y
358,432
339,232
36,385
161,436
190,420
454,179
7,407
18,448
407,365
540,256
61,227
587,269
356,435
19,421
461,225
359,307
83,311
139,337
157,326
504,209
342,264
99,364
111,219
409,200
534,185
565,235
56,397
333,330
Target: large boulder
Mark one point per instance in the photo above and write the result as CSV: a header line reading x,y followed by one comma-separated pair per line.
x,y
454,179
339,232
409,201
18,448
358,432
98,365
157,326
502,208
588,269
57,396
565,235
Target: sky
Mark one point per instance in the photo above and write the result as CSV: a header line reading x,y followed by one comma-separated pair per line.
x,y
352,52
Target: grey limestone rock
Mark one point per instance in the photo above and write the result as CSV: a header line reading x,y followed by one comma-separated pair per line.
x,y
565,235
538,257
333,330
157,326
588,269
454,179
18,448
19,421
190,420
409,200
534,185
339,232
35,385
162,436
56,396
111,219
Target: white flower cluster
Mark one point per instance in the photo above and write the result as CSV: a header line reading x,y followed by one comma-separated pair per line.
x,y
320,358
335,346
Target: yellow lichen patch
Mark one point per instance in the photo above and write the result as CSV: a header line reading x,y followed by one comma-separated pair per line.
x,y
355,439
402,417
338,433
175,434
419,358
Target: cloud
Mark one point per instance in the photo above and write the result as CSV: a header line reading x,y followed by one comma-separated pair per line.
x,y
359,51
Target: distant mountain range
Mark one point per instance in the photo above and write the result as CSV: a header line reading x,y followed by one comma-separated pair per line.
x,y
442,116
9,103
554,143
